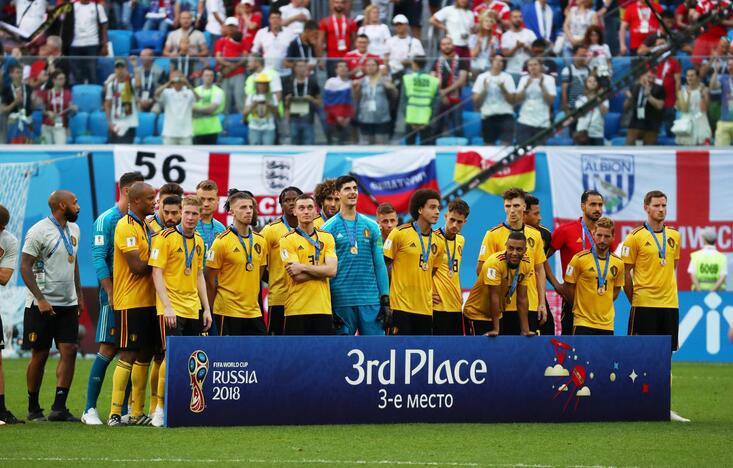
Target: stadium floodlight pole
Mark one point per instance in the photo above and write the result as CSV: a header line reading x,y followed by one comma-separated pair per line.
x,y
657,54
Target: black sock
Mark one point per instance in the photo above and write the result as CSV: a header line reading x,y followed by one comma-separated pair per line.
x,y
2,403
59,403
33,404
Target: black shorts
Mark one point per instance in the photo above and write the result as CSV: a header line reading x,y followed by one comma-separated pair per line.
x,y
412,9
276,320
372,129
655,321
447,323
566,318
407,323
184,327
136,329
509,324
548,329
236,326
309,324
498,127
591,331
477,327
40,330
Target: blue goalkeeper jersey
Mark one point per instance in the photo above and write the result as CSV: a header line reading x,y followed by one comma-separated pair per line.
x,y
208,233
362,276
103,242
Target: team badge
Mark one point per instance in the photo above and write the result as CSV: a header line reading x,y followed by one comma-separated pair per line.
x,y
133,338
366,233
614,271
612,175
530,241
198,250
434,249
670,243
73,241
258,248
198,367
277,171
460,250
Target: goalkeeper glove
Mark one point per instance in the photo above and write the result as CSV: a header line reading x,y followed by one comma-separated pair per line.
x,y
385,313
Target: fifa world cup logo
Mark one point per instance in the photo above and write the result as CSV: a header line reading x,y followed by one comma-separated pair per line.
x,y
198,367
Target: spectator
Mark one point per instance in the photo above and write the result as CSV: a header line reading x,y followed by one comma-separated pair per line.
x,y
401,48
194,7
640,22
356,59
456,21
692,102
669,74
412,10
17,105
539,18
151,76
452,74
599,53
231,59
272,44
610,20
382,8
712,64
177,98
591,125
724,85
120,105
536,93
515,45
338,105
337,31
708,267
215,15
501,9
304,46
377,32
302,101
261,112
538,50
160,16
256,67
646,100
372,95
294,15
711,34
573,78
186,41
493,94
49,60
85,31
483,44
420,91
57,107
682,14
250,22
29,15
206,110
579,18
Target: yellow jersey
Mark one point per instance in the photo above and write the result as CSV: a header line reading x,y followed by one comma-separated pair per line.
x,y
319,222
496,272
277,289
238,288
131,291
313,296
655,285
495,241
446,281
411,288
589,308
169,255
155,223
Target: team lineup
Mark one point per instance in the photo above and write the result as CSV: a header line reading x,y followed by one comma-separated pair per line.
x,y
166,267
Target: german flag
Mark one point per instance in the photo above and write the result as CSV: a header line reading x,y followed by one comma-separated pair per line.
x,y
521,173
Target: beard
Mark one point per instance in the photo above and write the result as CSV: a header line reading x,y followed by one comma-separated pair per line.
x,y
71,216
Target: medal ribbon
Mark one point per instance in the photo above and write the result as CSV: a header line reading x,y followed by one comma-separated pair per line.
x,y
515,282
663,248
586,232
425,251
189,258
450,255
312,242
148,233
248,253
351,234
601,279
64,238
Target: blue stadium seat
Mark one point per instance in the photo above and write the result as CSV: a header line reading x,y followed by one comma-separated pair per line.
x,y
234,127
471,124
451,141
37,118
87,97
612,124
621,66
466,99
477,141
153,140
230,141
164,63
159,124
98,124
146,126
148,39
265,10
78,124
616,102
557,103
209,41
91,140
618,141
105,67
560,141
121,41
666,141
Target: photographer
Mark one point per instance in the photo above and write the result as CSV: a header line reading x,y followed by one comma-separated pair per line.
x,y
261,112
177,98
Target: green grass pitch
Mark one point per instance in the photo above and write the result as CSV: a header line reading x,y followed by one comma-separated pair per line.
x,y
702,392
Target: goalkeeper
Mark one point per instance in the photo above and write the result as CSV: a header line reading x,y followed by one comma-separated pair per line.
x,y
360,290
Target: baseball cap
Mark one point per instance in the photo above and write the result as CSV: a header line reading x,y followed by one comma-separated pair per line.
x,y
400,19
120,63
231,21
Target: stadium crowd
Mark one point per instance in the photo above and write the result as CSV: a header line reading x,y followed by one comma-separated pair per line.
x,y
360,71
167,267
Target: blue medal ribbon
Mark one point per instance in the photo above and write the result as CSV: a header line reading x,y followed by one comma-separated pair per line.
x,y
145,227
515,282
663,248
312,242
157,220
425,252
189,258
248,253
285,222
451,256
351,234
64,238
601,279
586,232
512,229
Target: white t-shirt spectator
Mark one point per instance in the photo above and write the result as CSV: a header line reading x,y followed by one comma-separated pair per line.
x,y
288,11
273,48
402,48
600,54
113,91
509,39
212,25
261,118
495,103
29,14
378,36
534,111
592,121
87,19
178,112
458,21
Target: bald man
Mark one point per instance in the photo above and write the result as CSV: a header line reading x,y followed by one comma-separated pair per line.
x,y
50,271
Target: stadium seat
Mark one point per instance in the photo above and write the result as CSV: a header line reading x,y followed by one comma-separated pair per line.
x,y
616,102
91,140
666,141
78,125
148,39
621,66
153,140
146,125
612,124
618,141
558,100
466,99
477,141
87,97
560,141
98,125
234,127
471,124
159,124
228,140
121,42
105,67
265,10
164,63
209,41
37,118
451,141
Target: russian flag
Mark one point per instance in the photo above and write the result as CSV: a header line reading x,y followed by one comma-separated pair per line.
x,y
394,177
337,100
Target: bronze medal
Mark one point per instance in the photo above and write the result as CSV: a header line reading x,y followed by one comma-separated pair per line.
x,y
424,266
72,259
601,291
250,267
663,261
450,273
187,271
354,250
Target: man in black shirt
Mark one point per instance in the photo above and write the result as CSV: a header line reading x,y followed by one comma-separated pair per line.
x,y
646,101
17,104
304,46
302,99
